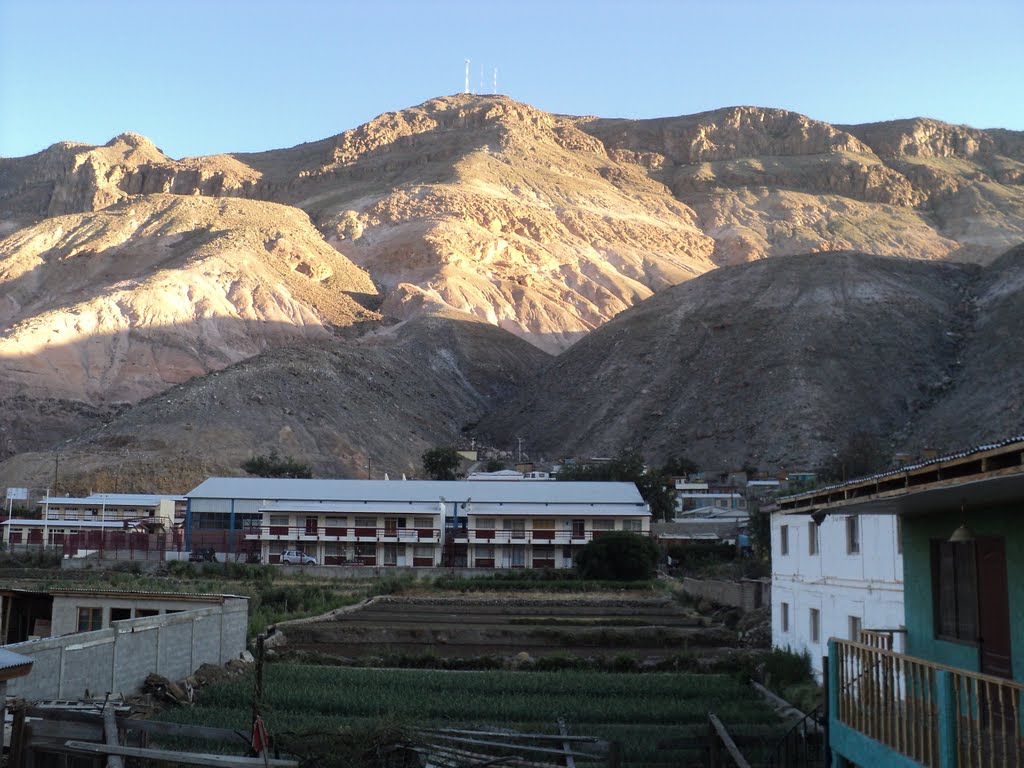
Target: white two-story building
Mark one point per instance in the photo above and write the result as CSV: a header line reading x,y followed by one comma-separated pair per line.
x,y
834,579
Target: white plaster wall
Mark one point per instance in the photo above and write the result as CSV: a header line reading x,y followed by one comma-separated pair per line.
x,y
838,584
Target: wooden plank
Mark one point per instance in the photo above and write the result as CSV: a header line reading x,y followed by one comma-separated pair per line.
x,y
727,741
110,735
566,745
517,747
160,728
180,758
513,735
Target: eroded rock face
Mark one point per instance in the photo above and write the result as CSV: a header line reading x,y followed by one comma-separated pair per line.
x,y
124,272
154,290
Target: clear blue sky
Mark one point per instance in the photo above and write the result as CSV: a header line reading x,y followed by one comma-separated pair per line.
x,y
205,76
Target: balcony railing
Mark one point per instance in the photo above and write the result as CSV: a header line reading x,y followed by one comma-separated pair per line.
x,y
535,536
935,715
330,533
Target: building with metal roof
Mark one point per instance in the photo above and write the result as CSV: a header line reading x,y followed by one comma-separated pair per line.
x,y
413,522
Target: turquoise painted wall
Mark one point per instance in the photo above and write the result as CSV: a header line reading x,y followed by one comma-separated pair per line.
x,y
917,535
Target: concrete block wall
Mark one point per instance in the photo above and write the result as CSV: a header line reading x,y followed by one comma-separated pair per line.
x,y
748,594
119,658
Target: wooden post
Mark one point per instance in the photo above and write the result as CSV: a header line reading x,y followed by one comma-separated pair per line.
x,y
110,735
257,693
714,753
947,719
825,707
16,756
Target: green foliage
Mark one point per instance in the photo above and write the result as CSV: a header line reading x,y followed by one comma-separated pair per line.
x,y
863,454
441,463
629,467
543,581
679,466
494,465
759,528
275,465
618,556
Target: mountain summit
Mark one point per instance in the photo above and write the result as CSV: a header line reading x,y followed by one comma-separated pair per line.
x,y
125,272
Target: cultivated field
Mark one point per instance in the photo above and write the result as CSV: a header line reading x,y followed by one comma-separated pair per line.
x,y
659,718
506,625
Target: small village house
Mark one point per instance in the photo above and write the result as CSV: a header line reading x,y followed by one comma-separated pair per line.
x,y
953,697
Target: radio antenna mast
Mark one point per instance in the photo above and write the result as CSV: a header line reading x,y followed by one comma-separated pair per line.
x,y
467,76
494,82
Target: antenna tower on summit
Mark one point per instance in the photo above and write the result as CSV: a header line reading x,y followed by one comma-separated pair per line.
x,y
467,76
494,81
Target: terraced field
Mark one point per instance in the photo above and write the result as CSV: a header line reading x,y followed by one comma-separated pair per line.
x,y
468,627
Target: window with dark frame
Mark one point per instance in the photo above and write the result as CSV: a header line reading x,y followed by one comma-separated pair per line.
x,y
955,591
90,619
853,535
784,539
812,538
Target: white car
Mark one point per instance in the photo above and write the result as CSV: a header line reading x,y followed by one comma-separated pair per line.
x,y
297,557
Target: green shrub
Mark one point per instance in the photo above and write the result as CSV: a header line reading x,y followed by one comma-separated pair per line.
x,y
618,556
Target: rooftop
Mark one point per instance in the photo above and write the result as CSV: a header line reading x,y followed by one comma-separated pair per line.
x,y
992,473
405,491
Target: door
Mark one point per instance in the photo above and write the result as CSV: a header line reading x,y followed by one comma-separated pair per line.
x,y
993,608
311,525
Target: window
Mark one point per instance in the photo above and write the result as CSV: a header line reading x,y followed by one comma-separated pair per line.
x,y
853,535
90,619
366,522
955,591
485,551
637,526
812,538
784,539
815,621
517,528
120,614
899,535
425,550
603,525
423,522
336,522
855,626
785,616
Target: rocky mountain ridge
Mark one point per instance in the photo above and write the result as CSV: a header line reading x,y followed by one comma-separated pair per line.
x,y
125,273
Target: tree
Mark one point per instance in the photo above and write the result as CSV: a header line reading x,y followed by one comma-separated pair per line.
x,y
618,556
441,463
863,454
679,466
629,467
275,465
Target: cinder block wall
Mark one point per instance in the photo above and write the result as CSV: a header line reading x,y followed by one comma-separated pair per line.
x,y
119,658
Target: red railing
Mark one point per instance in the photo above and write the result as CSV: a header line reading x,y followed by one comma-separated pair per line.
x,y
307,534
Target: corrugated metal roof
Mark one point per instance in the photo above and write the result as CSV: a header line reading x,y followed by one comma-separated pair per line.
x,y
12,664
282,489
911,467
205,597
475,507
52,523
112,499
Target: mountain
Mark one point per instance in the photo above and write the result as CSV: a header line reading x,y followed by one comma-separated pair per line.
x,y
347,408
126,274
778,363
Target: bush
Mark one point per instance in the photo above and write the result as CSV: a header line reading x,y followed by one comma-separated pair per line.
x,y
618,556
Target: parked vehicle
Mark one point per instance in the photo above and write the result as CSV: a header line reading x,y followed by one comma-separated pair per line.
x,y
203,555
297,557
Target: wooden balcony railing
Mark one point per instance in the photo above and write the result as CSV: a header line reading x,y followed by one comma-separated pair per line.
x,y
933,714
540,536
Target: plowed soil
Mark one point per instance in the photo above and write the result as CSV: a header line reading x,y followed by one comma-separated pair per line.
x,y
473,627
